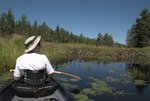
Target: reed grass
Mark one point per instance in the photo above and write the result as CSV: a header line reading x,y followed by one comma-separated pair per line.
x,y
10,49
13,47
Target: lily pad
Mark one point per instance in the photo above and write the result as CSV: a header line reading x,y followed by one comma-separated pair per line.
x,y
119,93
82,97
126,75
111,79
139,82
89,91
67,85
99,87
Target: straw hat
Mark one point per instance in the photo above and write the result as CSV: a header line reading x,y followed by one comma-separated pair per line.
x,y
31,43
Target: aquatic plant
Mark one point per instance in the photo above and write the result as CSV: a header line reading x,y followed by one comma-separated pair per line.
x,y
99,87
126,75
82,97
68,85
90,91
139,82
124,80
111,79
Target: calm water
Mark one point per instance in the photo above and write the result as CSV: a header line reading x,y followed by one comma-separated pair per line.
x,y
114,81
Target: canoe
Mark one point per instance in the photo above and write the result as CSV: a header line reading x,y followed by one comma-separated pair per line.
x,y
59,93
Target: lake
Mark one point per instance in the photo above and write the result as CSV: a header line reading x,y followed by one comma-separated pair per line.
x,y
102,81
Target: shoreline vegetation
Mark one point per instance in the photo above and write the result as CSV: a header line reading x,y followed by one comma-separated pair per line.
x,y
13,47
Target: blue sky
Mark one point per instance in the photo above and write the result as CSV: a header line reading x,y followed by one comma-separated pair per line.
x,y
89,17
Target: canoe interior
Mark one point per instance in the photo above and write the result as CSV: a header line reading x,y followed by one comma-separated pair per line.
x,y
61,94
57,95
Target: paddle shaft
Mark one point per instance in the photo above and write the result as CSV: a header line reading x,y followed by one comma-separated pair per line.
x,y
58,72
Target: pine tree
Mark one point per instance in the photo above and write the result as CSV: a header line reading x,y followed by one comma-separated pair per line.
x,y
34,29
7,24
10,21
24,25
45,31
105,40
3,25
139,34
100,39
131,39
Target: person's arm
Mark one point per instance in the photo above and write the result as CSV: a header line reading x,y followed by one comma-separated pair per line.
x,y
16,78
50,75
49,68
17,73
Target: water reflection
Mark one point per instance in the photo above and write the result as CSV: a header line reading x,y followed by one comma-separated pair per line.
x,y
140,72
121,79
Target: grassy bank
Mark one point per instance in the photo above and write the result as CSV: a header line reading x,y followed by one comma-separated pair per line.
x,y
10,49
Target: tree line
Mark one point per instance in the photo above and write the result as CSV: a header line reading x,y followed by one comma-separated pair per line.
x,y
9,26
139,34
105,39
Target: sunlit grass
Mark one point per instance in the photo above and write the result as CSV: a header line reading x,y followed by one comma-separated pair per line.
x,y
10,50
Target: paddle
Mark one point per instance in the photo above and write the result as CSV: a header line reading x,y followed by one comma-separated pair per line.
x,y
68,74
58,72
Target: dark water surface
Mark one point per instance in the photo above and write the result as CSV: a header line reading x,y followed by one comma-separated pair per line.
x,y
113,81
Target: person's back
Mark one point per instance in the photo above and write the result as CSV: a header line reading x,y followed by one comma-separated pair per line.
x,y
31,60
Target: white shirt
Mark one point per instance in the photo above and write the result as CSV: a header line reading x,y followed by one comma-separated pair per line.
x,y
32,61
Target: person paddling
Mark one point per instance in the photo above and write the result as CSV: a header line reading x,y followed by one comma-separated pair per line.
x,y
31,59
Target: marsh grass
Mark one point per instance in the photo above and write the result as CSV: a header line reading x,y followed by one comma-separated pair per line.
x,y
10,49
6,76
145,50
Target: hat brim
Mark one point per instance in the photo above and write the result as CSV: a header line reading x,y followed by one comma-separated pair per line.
x,y
30,48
